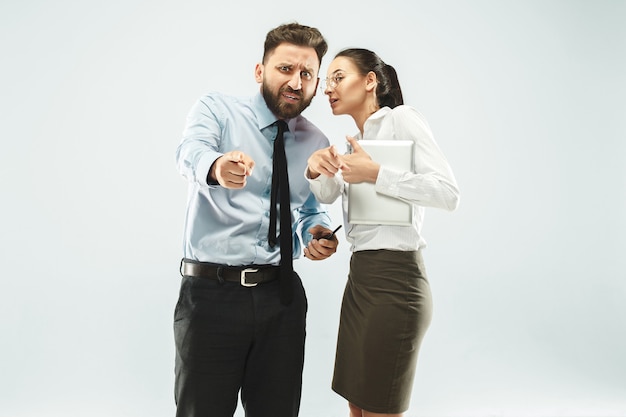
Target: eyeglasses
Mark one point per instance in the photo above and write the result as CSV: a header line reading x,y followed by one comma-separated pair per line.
x,y
333,81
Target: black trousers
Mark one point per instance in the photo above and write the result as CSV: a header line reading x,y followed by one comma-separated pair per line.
x,y
231,338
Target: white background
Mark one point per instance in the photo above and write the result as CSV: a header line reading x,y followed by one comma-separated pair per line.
x,y
526,99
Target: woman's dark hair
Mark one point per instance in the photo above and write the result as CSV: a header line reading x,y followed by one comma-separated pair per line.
x,y
388,92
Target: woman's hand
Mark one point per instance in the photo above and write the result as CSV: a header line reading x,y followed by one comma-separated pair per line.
x,y
360,166
325,162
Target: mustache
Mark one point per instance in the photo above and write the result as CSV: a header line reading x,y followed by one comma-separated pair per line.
x,y
291,91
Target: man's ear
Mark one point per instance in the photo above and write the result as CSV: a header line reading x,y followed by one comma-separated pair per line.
x,y
258,73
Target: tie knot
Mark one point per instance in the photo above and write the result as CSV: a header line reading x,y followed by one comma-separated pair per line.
x,y
282,126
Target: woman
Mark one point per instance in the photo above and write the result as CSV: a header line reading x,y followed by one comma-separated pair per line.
x,y
387,303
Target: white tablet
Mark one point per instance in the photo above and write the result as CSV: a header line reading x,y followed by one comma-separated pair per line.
x,y
365,205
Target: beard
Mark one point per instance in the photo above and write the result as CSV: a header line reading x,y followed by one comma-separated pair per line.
x,y
279,107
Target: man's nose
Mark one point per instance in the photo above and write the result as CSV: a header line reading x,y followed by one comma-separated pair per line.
x,y
296,81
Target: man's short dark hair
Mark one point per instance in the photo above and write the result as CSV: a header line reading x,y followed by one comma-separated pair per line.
x,y
295,34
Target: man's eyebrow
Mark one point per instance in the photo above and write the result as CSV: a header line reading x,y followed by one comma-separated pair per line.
x,y
292,66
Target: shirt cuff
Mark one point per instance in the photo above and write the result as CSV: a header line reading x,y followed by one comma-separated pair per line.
x,y
204,166
325,189
388,180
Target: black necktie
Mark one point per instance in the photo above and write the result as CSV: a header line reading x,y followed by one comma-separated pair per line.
x,y
280,189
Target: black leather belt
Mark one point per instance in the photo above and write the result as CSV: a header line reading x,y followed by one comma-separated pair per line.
x,y
248,276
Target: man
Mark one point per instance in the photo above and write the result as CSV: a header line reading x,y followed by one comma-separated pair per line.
x,y
240,318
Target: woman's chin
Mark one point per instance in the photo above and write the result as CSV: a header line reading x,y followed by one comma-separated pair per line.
x,y
335,111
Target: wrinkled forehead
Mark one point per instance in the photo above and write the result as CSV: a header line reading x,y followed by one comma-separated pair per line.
x,y
304,57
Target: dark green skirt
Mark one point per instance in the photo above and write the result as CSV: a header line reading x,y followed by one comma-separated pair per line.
x,y
386,309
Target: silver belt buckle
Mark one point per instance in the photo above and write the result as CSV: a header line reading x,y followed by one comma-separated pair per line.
x,y
243,277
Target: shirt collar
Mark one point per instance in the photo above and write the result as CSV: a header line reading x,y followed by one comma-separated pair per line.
x,y
379,114
375,118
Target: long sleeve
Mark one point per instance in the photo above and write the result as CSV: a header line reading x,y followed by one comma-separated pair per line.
x,y
311,214
198,149
326,189
432,184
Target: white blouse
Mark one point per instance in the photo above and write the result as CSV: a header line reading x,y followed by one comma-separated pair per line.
x,y
432,184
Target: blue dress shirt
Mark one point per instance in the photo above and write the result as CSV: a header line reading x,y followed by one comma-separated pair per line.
x,y
229,226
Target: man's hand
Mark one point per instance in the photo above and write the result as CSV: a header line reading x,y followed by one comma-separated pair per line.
x,y
231,169
325,161
361,167
320,248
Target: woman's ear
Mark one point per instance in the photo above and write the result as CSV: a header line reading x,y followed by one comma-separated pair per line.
x,y
371,81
